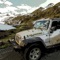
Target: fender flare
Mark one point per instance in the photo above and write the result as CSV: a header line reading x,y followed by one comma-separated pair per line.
x,y
34,40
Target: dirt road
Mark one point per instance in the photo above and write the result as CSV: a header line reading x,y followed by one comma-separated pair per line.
x,y
10,54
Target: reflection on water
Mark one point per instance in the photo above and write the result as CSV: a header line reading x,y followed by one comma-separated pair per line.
x,y
6,27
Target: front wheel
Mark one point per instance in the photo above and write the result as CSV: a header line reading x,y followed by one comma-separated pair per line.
x,y
33,52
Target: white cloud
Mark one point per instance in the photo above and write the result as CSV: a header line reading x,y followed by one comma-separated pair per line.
x,y
5,2
11,8
1,2
3,10
8,9
23,6
26,9
32,9
8,3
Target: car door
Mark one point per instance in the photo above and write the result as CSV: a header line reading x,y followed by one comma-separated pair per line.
x,y
55,34
58,28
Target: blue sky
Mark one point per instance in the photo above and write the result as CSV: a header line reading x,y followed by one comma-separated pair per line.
x,y
23,6
28,2
20,5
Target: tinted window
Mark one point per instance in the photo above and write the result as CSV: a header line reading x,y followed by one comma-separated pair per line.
x,y
56,24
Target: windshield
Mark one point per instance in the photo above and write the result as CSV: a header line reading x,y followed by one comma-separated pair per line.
x,y
41,24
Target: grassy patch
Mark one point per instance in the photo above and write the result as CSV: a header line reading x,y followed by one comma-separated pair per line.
x,y
7,38
5,46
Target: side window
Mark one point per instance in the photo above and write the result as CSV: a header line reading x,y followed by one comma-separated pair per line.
x,y
55,26
58,25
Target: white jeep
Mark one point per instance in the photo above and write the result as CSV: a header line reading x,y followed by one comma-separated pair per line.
x,y
45,34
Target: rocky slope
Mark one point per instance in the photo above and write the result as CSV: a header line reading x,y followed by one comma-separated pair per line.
x,y
51,11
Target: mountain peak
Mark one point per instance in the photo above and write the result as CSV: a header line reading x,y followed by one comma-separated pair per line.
x,y
50,5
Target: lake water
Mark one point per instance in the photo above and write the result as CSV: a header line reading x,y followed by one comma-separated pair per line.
x,y
6,27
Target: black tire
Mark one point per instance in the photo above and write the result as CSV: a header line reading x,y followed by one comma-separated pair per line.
x,y
30,49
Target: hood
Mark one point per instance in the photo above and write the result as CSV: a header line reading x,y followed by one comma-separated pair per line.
x,y
29,33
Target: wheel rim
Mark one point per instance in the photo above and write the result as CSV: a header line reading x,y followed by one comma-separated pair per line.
x,y
35,53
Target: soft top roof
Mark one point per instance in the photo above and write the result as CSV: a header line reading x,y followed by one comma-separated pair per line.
x,y
46,19
55,19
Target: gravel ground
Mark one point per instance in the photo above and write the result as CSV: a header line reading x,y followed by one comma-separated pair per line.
x,y
10,54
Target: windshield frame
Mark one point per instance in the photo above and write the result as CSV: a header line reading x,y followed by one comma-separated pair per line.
x,y
47,26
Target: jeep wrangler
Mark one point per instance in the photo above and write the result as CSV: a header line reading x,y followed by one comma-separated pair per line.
x,y
45,34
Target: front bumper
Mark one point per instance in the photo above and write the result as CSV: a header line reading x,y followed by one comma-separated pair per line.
x,y
14,44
